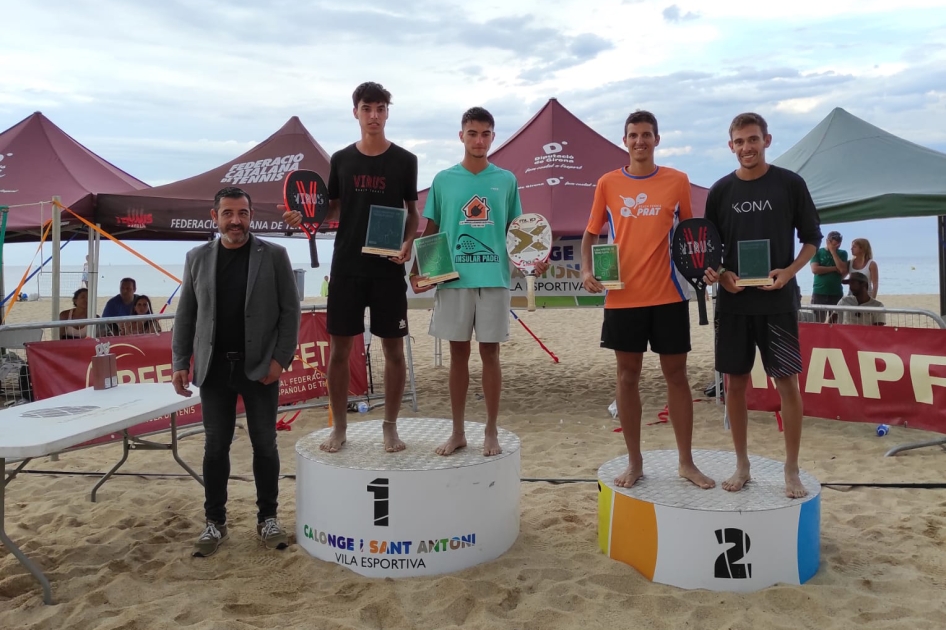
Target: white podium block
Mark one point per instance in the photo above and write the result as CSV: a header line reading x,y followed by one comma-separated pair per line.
x,y
674,533
409,513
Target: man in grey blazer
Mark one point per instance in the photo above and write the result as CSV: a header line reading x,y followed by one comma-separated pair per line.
x,y
238,317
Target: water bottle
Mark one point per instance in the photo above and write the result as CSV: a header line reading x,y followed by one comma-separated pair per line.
x,y
882,430
363,408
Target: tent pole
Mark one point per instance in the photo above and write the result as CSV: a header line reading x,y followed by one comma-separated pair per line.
x,y
94,271
3,237
941,225
57,237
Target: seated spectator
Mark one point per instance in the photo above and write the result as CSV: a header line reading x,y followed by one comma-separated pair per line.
x,y
859,283
150,326
79,310
122,304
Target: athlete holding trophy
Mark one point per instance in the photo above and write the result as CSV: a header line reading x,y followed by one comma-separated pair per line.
x,y
371,172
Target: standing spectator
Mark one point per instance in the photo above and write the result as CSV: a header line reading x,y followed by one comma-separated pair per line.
x,y
858,283
85,273
863,261
324,291
829,265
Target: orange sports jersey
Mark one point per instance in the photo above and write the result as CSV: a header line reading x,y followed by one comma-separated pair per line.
x,y
641,214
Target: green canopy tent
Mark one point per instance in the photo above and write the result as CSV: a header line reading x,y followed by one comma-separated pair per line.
x,y
856,171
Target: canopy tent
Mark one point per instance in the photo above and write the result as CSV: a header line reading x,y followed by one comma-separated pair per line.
x,y
38,161
181,210
557,160
856,171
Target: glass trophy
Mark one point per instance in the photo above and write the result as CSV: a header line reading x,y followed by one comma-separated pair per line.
x,y
606,265
385,233
434,260
755,263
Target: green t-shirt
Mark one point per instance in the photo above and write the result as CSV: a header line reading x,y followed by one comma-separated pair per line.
x,y
475,212
828,283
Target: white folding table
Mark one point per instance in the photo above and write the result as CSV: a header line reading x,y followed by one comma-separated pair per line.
x,y
55,424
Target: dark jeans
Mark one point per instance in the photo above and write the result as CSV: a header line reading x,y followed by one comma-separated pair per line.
x,y
829,300
218,397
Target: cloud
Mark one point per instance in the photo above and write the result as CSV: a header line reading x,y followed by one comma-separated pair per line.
x,y
230,72
674,14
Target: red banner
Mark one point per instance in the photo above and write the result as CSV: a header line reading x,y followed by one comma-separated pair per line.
x,y
58,367
878,374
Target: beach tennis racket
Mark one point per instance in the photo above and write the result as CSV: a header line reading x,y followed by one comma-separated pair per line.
x,y
305,192
696,247
528,241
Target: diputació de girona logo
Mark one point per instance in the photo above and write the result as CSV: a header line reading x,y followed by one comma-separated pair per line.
x,y
3,166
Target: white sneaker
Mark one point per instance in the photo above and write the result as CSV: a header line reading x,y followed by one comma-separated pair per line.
x,y
272,534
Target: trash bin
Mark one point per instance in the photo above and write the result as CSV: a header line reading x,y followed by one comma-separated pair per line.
x,y
300,282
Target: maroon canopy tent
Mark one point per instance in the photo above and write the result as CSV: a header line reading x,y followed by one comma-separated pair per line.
x,y
38,161
181,210
557,160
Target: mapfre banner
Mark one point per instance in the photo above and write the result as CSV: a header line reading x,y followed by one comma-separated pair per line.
x,y
58,367
878,374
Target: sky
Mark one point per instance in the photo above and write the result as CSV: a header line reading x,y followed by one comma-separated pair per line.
x,y
166,89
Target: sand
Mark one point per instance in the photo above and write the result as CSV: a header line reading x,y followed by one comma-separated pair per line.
x,y
124,562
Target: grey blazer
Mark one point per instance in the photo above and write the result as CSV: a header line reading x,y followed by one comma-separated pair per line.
x,y
272,310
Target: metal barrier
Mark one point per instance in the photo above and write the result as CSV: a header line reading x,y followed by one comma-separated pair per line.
x,y
890,316
15,385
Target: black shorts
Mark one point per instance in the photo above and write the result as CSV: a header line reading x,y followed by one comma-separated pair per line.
x,y
776,336
385,298
666,327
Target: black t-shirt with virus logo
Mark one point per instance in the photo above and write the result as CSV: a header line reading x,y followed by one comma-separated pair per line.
x,y
359,181
775,206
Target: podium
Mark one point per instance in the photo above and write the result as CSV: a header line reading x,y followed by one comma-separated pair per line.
x,y
410,513
675,533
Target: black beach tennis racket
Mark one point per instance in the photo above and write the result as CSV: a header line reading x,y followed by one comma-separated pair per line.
x,y
697,247
305,192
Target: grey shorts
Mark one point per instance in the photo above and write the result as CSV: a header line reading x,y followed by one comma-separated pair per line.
x,y
460,312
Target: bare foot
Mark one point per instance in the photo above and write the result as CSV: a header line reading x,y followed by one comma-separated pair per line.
x,y
629,477
392,443
491,444
335,441
794,489
454,442
691,473
739,478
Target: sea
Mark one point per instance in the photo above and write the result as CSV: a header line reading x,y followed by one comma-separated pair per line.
x,y
158,280
898,276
